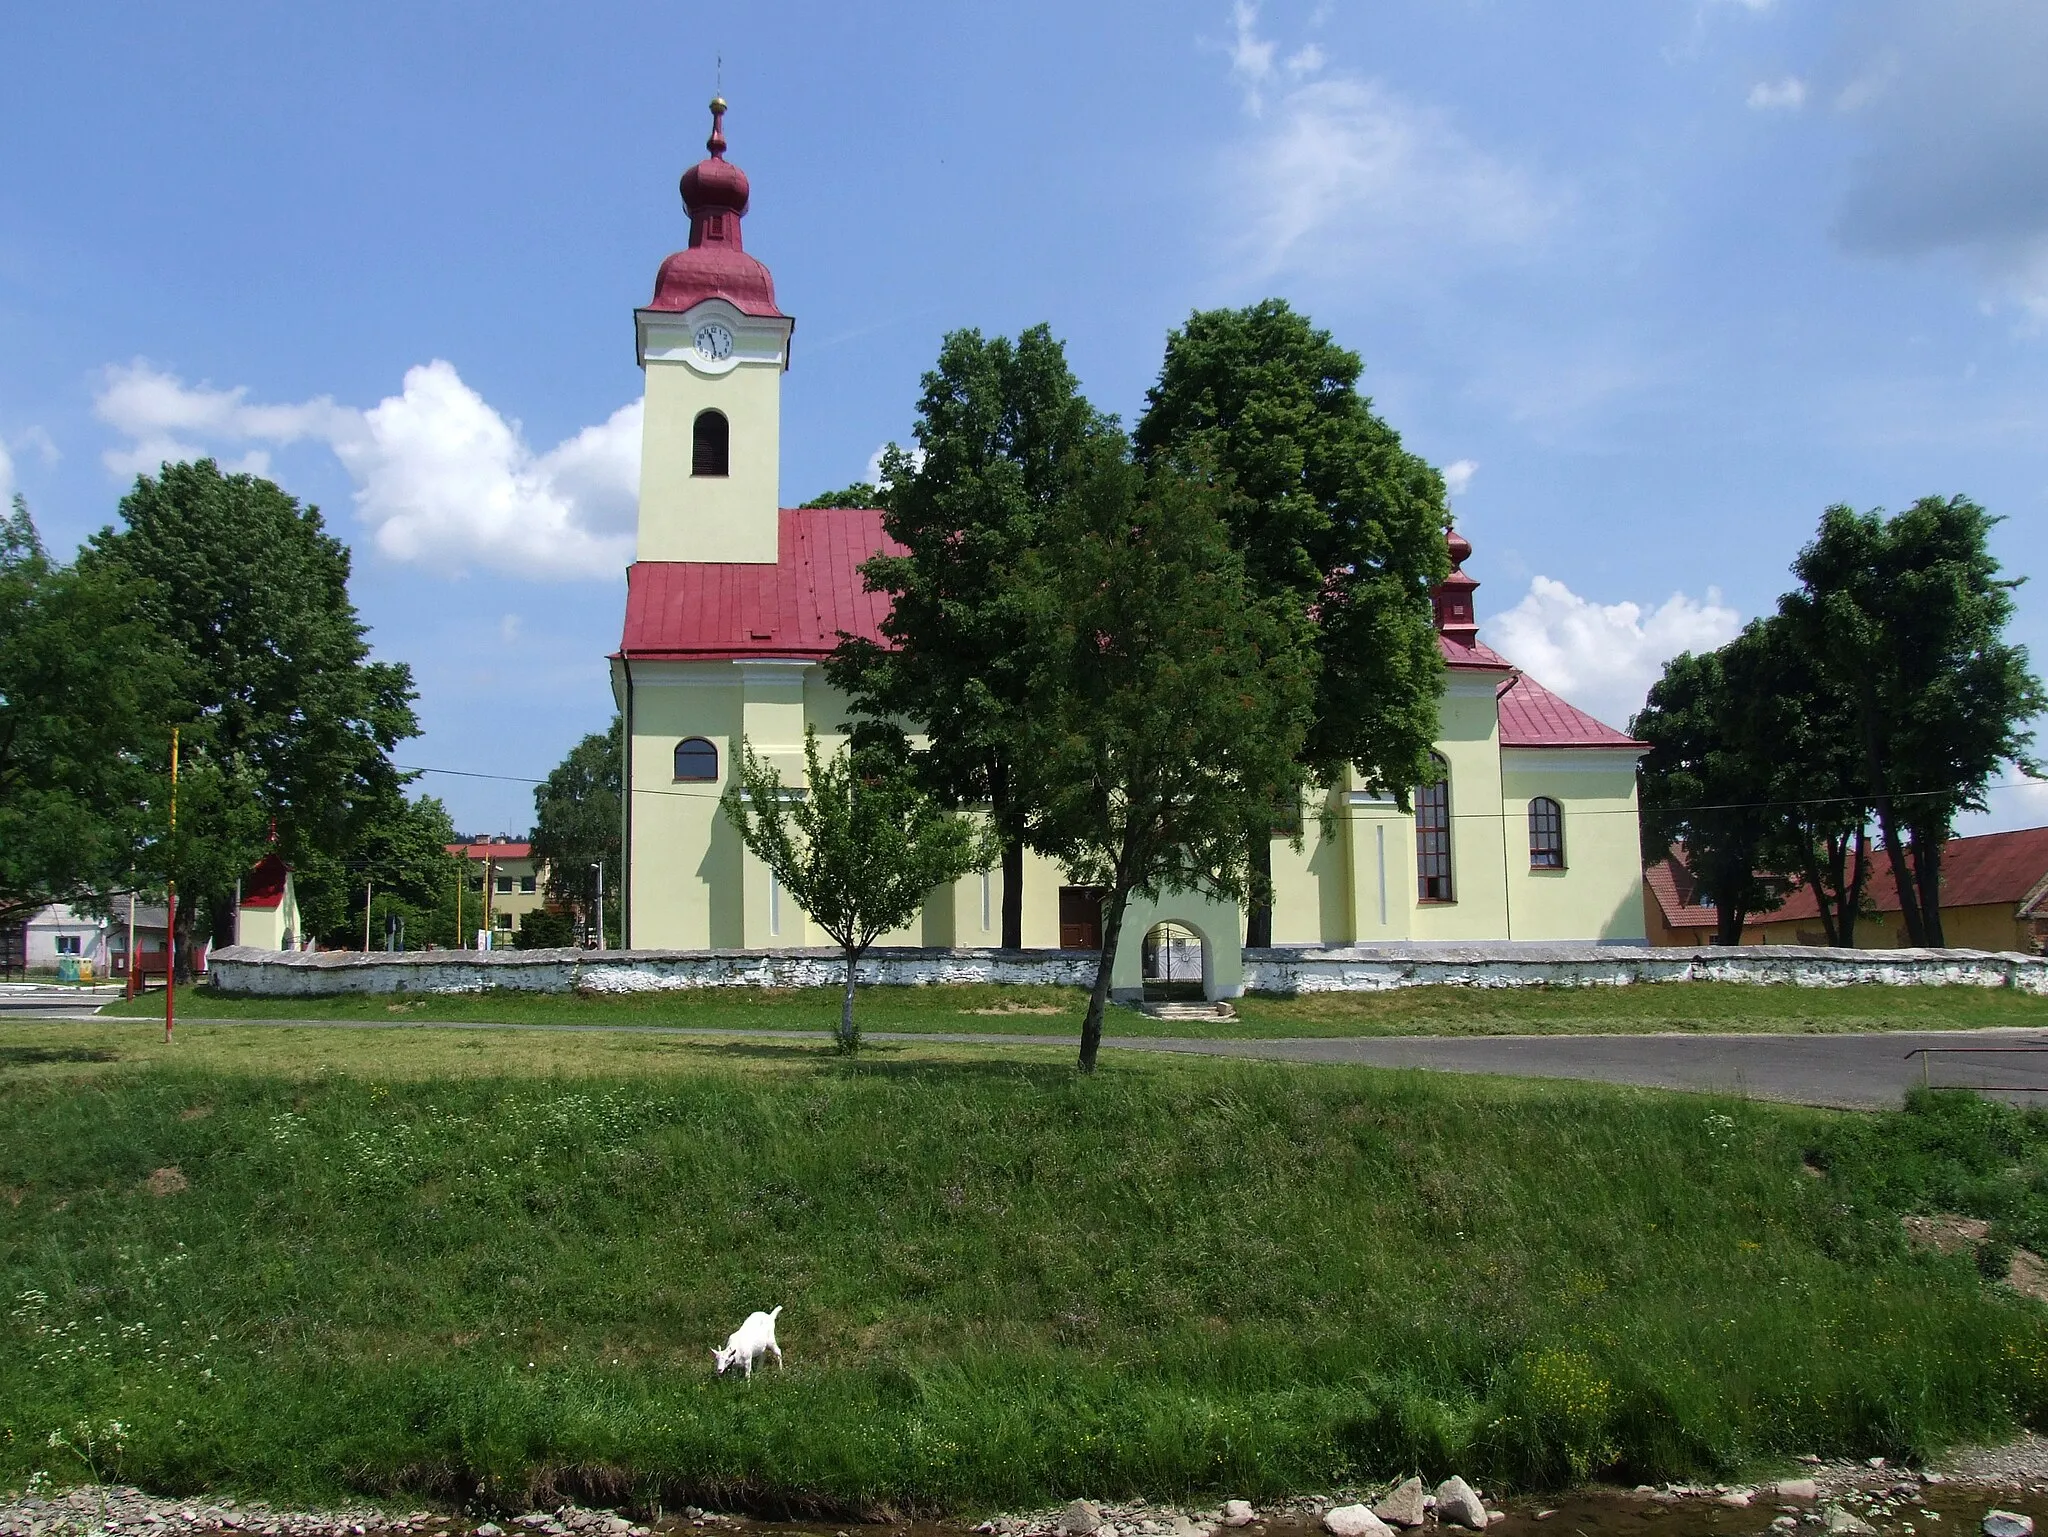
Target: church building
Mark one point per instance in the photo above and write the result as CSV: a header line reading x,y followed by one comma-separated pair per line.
x,y
734,602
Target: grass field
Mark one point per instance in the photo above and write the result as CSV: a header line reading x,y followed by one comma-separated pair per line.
x,y
1692,1006
450,1263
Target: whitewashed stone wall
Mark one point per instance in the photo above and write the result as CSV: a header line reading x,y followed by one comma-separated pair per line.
x,y
1282,969
1371,968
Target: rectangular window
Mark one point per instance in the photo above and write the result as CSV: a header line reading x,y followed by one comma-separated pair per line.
x,y
526,882
504,920
1433,842
505,885
1546,834
67,944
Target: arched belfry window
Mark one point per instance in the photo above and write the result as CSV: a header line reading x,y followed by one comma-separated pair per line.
x,y
1433,835
1546,834
696,760
711,444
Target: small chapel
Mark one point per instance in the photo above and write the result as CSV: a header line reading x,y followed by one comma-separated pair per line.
x,y
733,603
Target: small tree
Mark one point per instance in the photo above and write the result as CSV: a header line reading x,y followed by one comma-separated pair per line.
x,y
1169,700
859,851
576,828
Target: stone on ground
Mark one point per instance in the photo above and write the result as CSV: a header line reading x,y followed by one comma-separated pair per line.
x,y
1401,1506
1843,1523
1354,1521
1458,1505
2006,1523
1081,1518
1798,1489
1238,1513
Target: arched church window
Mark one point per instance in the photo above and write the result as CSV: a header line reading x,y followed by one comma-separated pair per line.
x,y
696,760
1433,835
711,444
1546,834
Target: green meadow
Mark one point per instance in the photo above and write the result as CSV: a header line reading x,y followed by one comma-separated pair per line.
x,y
491,1266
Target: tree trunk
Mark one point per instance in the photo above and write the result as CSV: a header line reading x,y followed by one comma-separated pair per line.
x,y
848,1039
220,916
1728,923
1902,877
1928,844
1098,996
1258,918
1013,893
1852,895
1822,890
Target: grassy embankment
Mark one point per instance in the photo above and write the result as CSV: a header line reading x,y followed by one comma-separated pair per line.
x,y
1685,1006
457,1262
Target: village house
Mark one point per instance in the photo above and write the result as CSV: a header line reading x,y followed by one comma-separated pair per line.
x,y
734,602
505,884
1994,896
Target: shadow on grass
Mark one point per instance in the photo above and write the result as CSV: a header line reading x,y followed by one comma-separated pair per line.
x,y
30,1056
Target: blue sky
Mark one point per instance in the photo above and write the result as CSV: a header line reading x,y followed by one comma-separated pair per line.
x,y
1654,281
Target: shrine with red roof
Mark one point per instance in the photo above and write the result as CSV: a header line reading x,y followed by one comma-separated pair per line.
x,y
735,601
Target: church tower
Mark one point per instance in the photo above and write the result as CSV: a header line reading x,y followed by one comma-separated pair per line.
x,y
714,347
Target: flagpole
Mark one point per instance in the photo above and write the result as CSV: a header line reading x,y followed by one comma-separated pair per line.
x,y
170,910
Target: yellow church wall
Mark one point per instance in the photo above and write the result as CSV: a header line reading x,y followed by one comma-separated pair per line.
x,y
1599,892
1380,854
1312,897
1468,739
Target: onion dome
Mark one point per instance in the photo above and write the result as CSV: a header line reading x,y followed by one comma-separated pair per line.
x,y
1453,595
715,265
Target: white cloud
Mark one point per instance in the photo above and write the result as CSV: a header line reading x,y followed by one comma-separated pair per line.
x,y
441,477
1788,94
1348,174
1306,60
1251,56
508,629
1603,657
874,475
1458,475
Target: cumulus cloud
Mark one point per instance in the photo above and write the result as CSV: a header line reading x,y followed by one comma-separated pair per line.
x,y
1947,97
1458,475
6,474
1603,657
1788,94
442,478
1349,171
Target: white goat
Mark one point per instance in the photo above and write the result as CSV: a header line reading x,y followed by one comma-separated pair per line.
x,y
749,1342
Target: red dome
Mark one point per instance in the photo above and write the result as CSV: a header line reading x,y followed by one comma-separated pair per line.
x,y
715,265
1461,548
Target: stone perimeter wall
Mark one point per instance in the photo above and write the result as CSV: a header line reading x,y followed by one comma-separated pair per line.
x,y
1282,969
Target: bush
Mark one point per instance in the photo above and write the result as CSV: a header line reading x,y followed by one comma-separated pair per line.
x,y
545,929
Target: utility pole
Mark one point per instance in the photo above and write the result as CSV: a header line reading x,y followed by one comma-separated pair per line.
x,y
366,916
461,880
600,904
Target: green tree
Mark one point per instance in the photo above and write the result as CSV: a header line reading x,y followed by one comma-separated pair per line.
x,y
1701,786
862,493
288,722
859,849
1800,733
1905,616
1000,427
86,699
1169,698
577,826
1334,517
398,859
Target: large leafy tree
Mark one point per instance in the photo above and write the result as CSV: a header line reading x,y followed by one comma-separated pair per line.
x,y
1333,516
397,863
86,700
859,848
1704,787
1170,699
1905,617
576,827
288,721
1000,427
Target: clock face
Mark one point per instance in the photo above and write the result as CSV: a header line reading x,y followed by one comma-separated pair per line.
x,y
714,343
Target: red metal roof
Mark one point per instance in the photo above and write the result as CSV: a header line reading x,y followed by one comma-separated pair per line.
x,y
1471,656
723,611
263,886
1991,869
1532,716
483,850
1671,883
